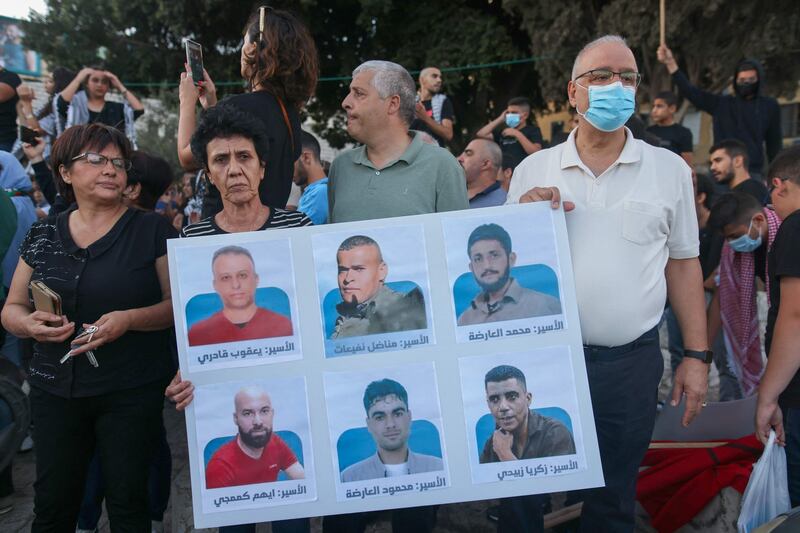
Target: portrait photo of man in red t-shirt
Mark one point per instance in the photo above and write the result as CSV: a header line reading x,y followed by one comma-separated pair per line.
x,y
256,454
235,282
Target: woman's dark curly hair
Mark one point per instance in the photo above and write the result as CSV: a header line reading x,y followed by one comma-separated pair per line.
x,y
285,62
224,121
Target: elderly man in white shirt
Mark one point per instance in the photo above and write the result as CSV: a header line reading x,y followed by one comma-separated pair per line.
x,y
633,239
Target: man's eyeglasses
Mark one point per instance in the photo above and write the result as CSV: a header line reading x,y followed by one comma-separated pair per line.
x,y
602,76
99,160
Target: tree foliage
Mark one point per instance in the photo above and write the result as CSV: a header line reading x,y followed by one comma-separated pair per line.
x,y
141,41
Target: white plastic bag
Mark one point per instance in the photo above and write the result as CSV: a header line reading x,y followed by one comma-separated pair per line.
x,y
767,492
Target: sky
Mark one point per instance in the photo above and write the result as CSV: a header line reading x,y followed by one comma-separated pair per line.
x,y
19,8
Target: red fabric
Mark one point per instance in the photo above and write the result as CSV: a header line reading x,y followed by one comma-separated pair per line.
x,y
217,328
230,466
679,483
737,300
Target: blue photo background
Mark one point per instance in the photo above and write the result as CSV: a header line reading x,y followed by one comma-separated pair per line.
x,y
540,278
202,306
486,426
357,444
334,298
289,437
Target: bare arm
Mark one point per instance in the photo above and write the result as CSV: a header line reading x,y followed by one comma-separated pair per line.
x,y
443,130
688,157
7,92
486,132
187,121
685,291
134,102
26,117
783,362
75,85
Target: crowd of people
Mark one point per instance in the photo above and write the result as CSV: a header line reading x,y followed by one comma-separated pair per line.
x,y
89,216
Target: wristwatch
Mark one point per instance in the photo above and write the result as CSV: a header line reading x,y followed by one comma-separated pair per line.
x,y
705,356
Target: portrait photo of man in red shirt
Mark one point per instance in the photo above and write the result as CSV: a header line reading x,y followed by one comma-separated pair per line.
x,y
256,454
235,281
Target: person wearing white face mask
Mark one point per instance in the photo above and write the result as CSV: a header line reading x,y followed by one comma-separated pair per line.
x,y
633,238
749,230
511,130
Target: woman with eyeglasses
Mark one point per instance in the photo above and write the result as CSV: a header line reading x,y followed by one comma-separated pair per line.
x,y
280,66
102,391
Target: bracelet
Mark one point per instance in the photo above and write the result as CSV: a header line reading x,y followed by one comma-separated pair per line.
x,y
124,92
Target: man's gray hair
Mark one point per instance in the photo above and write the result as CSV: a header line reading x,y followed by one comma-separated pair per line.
x,y
392,79
600,40
494,152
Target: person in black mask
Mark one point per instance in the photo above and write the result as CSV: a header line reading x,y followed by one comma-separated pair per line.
x,y
746,115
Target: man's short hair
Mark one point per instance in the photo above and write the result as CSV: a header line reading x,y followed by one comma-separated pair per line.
x,y
224,121
359,240
392,79
786,165
489,232
504,372
232,250
426,70
732,147
669,98
600,40
521,101
310,143
381,389
706,185
733,208
493,151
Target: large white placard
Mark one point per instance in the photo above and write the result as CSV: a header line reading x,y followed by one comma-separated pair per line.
x,y
392,363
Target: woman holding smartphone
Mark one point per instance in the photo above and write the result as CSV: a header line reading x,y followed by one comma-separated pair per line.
x,y
108,264
279,63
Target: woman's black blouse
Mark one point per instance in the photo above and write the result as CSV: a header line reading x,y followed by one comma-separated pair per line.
x,y
116,272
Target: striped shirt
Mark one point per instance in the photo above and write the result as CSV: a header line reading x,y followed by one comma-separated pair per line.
x,y
278,219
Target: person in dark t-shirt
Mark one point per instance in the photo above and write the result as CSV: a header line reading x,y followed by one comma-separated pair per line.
x,y
9,82
728,161
434,111
674,137
512,132
778,404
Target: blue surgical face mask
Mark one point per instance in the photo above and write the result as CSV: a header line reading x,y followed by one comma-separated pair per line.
x,y
746,243
512,120
610,106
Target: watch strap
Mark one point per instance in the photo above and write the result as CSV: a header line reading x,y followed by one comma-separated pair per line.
x,y
703,355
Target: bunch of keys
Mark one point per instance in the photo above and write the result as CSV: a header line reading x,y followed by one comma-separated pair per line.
x,y
90,331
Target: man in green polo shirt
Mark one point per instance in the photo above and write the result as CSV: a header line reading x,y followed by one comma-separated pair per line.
x,y
393,173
